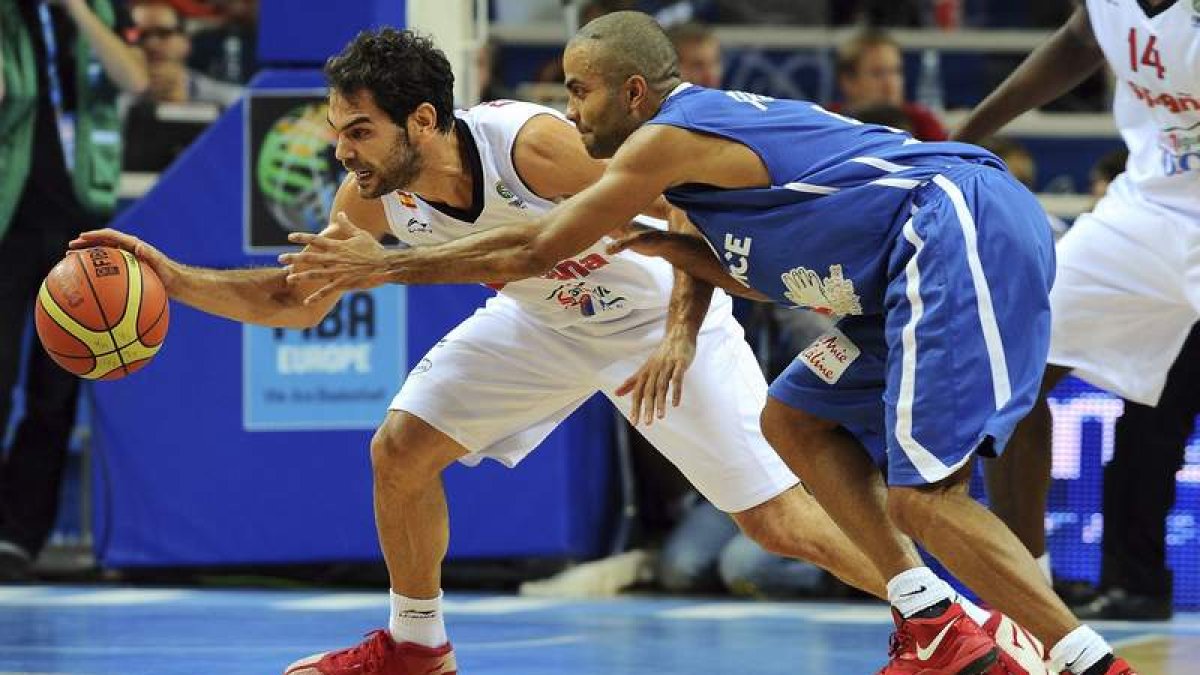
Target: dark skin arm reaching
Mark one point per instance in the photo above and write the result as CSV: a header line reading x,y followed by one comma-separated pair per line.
x,y
1051,70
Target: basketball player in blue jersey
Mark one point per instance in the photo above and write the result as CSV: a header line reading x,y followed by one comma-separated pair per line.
x,y
936,262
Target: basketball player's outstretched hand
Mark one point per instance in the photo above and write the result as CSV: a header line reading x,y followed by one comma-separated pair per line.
x,y
160,263
660,378
343,257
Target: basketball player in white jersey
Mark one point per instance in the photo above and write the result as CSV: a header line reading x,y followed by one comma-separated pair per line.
x,y
505,377
1127,290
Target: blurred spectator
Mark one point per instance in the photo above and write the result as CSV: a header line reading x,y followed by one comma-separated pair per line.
x,y
1149,445
707,553
59,148
227,51
160,35
699,54
487,78
870,72
1022,166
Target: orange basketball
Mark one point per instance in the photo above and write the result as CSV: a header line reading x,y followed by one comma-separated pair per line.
x,y
101,314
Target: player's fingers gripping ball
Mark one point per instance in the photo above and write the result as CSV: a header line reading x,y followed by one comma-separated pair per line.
x,y
101,314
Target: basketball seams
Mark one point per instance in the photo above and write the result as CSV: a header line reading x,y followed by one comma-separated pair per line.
x,y
100,306
125,329
67,322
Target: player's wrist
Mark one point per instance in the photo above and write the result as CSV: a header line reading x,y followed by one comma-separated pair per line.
x,y
395,266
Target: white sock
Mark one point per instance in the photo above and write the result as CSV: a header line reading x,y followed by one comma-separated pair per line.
x,y
1043,562
418,621
914,590
1081,649
978,614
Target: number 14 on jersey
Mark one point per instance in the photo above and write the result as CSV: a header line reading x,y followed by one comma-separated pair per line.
x,y
1149,54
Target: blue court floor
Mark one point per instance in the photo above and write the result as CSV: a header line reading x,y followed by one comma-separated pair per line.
x,y
125,631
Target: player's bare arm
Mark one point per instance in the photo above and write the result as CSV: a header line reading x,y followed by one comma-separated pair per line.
x,y
653,159
1051,70
649,163
259,296
550,158
661,377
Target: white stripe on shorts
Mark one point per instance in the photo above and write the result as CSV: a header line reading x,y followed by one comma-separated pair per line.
x,y
1001,388
926,463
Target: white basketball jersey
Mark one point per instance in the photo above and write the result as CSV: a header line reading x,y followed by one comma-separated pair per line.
x,y
590,287
1155,54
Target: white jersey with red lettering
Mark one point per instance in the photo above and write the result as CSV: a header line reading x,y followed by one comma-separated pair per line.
x,y
1127,292
1154,53
504,378
592,286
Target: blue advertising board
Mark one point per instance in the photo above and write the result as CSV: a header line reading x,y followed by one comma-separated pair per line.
x,y
339,374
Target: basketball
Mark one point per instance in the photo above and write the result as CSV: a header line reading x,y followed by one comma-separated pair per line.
x,y
101,314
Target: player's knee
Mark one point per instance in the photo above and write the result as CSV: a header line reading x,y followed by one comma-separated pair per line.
x,y
788,525
402,452
782,424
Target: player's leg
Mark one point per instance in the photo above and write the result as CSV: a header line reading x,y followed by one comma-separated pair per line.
x,y
968,329
408,456
31,470
1116,320
715,440
493,388
845,483
1018,482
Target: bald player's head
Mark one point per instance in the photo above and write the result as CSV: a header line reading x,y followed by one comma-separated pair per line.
x,y
618,69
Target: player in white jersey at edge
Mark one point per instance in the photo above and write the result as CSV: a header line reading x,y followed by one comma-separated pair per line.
x,y
1127,290
504,378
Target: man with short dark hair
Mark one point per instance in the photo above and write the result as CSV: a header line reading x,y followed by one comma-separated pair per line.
x,y
699,53
870,72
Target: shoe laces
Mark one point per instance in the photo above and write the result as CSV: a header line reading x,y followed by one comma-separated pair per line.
x,y
371,652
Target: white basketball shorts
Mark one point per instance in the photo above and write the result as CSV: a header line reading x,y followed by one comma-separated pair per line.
x,y
501,381
1126,294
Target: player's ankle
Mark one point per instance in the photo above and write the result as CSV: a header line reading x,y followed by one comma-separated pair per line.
x,y
919,590
419,621
1081,652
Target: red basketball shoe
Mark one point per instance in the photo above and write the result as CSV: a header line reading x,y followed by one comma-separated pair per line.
x,y
950,644
379,654
1020,652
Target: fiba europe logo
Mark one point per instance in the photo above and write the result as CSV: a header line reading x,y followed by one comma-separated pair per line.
x,y
297,172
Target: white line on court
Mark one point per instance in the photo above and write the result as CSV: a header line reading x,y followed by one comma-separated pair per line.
x,y
340,602
726,611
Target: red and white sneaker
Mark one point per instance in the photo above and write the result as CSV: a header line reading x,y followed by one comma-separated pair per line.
x,y
1020,652
379,654
950,644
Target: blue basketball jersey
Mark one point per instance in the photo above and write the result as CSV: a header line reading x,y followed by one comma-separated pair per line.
x,y
936,260
839,194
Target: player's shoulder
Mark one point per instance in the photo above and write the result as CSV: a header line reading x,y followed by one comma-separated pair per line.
x,y
368,214
501,121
